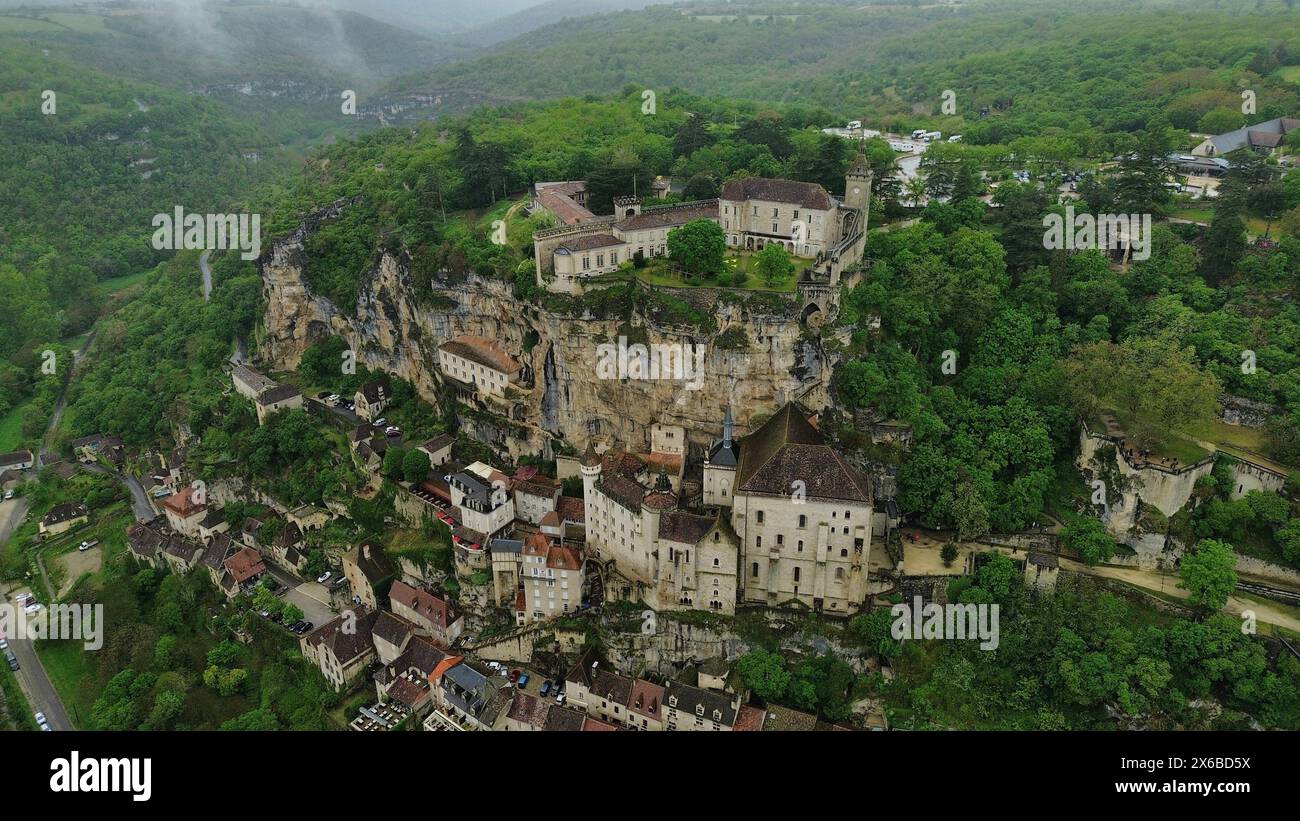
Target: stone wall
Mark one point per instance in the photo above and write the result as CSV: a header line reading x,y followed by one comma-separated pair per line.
x,y
1248,413
1163,489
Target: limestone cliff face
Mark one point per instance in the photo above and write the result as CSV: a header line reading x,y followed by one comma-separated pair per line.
x,y
392,330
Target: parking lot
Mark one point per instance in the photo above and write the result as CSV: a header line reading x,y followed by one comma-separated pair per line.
x,y
310,597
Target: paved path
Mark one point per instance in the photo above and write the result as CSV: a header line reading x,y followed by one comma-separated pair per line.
x,y
41,695
922,557
1167,583
141,504
44,450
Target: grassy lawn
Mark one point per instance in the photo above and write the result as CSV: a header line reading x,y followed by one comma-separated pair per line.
x,y
112,286
1289,74
1176,445
23,25
68,665
18,713
11,428
1255,226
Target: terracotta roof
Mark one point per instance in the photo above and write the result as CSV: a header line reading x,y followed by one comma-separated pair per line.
x,y
749,719
409,691
620,461
529,709
563,207
783,719
571,509
804,194
660,500
563,558
647,699
590,724
623,490
480,350
424,603
182,503
443,666
664,462
245,564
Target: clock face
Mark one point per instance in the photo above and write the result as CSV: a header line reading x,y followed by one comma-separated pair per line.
x,y
857,190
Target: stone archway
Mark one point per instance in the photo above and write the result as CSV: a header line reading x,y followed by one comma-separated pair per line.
x,y
812,315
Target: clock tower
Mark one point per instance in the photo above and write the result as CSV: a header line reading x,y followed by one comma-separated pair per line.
x,y
857,186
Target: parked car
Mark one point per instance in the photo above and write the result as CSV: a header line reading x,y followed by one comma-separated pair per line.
x,y
523,680
514,675
34,607
83,547
4,643
546,687
294,627
45,728
560,699
333,399
12,659
380,422
40,717
393,430
307,626
324,577
9,494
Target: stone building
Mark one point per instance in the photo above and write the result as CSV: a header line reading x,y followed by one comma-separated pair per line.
x,y
802,513
753,212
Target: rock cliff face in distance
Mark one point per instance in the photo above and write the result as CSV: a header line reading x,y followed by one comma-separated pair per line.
x,y
756,351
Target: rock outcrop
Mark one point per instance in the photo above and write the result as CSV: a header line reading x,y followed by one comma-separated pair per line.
x,y
393,329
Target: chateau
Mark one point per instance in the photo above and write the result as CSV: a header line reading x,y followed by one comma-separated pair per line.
x,y
783,517
753,212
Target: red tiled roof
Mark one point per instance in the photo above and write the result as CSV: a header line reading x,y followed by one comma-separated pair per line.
x,y
182,503
749,719
245,564
647,699
571,509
